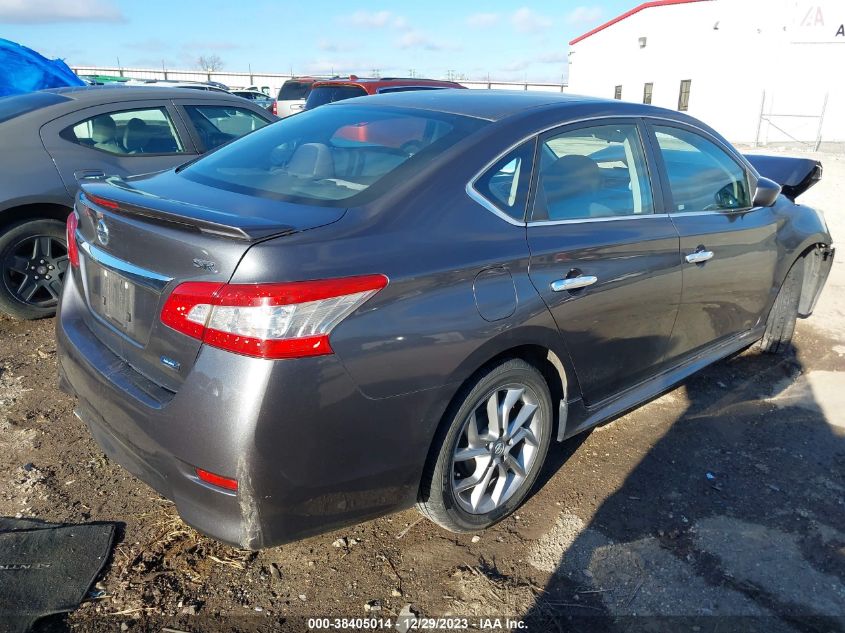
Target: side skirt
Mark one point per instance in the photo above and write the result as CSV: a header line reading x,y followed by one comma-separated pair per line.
x,y
580,418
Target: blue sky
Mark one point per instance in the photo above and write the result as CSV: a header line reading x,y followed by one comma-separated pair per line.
x,y
507,40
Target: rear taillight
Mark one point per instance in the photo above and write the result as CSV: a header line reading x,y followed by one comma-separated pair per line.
x,y
72,246
277,320
275,108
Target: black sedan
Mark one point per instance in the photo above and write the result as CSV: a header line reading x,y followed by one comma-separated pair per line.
x,y
54,139
403,299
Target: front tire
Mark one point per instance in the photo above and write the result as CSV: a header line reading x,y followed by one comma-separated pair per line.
x,y
33,263
781,322
490,449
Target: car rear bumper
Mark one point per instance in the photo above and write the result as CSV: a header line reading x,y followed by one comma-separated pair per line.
x,y
309,451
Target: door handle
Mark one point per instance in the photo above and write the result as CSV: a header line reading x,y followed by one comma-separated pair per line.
x,y
699,257
573,283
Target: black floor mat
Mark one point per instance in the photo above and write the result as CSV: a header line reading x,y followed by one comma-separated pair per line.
x,y
47,568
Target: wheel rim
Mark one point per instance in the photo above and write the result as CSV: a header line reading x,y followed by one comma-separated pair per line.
x,y
34,268
497,448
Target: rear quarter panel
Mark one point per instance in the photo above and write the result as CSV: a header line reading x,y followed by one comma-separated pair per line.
x,y
27,173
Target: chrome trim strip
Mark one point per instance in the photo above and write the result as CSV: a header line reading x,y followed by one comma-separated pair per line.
x,y
606,218
484,202
136,274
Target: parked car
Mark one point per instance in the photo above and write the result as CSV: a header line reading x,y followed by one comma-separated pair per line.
x,y
331,90
403,300
265,101
193,85
53,139
292,95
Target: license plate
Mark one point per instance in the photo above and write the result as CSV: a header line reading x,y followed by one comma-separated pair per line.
x,y
117,298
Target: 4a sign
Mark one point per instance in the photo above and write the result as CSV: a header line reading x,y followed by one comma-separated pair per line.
x,y
819,22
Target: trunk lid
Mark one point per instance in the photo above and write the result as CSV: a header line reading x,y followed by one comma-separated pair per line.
x,y
137,243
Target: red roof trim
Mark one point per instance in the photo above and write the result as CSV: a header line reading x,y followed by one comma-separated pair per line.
x,y
627,14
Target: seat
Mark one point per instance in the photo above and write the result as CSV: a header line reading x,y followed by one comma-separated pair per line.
x,y
570,186
311,160
136,135
104,134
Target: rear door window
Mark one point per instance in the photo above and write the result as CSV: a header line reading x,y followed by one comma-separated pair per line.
x,y
142,131
294,90
322,95
216,125
701,175
592,172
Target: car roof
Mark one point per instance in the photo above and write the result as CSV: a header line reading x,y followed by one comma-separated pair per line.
x,y
494,105
106,94
372,84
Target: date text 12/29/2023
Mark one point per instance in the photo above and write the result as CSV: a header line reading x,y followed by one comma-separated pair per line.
x,y
414,623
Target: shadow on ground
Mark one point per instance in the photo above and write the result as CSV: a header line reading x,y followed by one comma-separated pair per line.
x,y
733,520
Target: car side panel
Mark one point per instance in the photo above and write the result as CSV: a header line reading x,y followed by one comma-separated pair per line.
x,y
72,159
27,173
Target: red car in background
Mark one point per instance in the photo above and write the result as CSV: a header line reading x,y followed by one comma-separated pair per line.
x,y
330,90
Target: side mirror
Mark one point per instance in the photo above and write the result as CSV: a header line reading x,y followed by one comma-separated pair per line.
x,y
767,193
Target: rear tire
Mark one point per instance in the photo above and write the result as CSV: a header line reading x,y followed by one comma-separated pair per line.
x,y
33,262
481,469
781,322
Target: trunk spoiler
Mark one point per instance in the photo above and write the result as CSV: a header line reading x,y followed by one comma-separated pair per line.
x,y
133,202
794,175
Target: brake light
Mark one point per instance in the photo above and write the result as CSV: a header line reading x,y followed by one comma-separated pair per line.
x,y
72,246
103,202
276,320
275,108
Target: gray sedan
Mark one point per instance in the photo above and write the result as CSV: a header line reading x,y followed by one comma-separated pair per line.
x,y
404,299
54,139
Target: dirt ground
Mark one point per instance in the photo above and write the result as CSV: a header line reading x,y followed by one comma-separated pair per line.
x,y
718,507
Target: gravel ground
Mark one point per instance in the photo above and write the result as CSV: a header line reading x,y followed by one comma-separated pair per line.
x,y
719,506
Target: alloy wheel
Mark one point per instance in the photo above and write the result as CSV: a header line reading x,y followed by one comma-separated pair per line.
x,y
496,449
34,268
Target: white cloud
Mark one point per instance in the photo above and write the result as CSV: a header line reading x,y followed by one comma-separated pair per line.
x,y
211,45
482,20
526,20
53,11
332,46
418,39
369,19
401,23
584,15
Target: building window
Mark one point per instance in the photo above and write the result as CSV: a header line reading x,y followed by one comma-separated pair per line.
x,y
647,90
683,97
617,92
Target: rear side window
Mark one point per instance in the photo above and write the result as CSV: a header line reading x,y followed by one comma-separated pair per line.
x,y
220,124
592,172
16,105
147,131
294,90
702,176
337,156
322,95
506,183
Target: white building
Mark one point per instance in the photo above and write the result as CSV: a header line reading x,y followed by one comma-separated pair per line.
x,y
766,71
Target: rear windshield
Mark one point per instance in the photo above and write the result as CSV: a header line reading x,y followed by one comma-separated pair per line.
x,y
16,105
332,156
294,90
322,95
